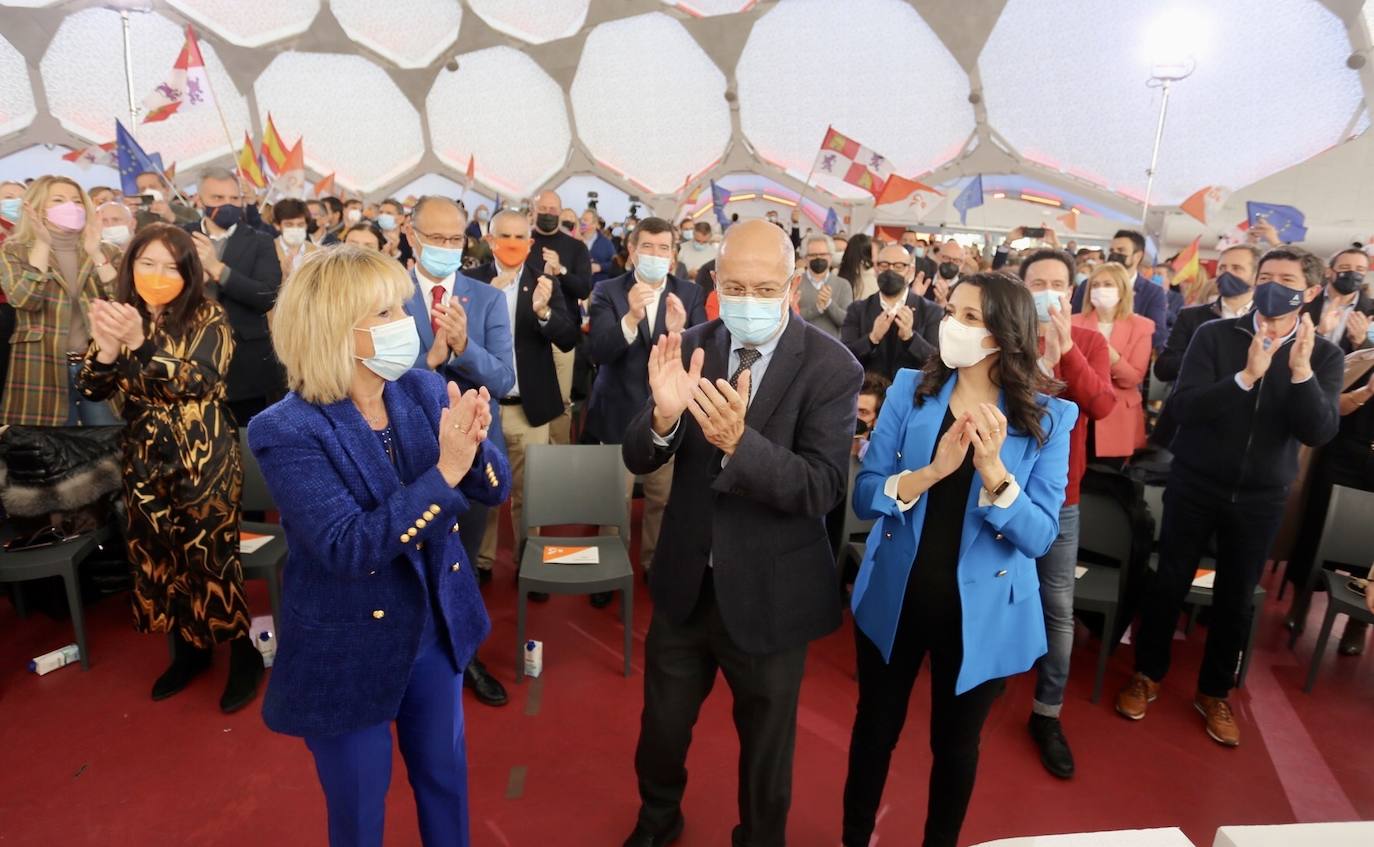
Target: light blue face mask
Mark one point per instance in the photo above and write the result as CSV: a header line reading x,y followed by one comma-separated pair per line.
x,y
10,208
651,268
1045,303
386,221
440,262
395,347
752,320
919,252
1080,277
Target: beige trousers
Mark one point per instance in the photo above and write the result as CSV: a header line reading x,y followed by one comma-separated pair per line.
x,y
657,485
560,428
519,435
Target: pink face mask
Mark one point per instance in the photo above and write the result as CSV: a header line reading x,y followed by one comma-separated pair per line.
x,y
69,216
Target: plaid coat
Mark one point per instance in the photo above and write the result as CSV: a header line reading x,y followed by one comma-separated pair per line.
x,y
36,392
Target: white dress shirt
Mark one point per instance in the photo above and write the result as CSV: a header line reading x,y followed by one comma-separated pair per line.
x,y
650,312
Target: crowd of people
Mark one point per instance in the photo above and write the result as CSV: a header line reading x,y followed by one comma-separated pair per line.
x,y
392,362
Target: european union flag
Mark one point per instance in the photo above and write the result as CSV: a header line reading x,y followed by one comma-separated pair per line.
x,y
832,223
132,160
970,197
719,197
1290,223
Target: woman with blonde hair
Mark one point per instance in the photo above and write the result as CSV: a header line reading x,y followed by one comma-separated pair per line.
x,y
1109,311
373,464
51,267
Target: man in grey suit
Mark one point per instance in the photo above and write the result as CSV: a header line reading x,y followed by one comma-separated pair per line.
x,y
758,410
824,297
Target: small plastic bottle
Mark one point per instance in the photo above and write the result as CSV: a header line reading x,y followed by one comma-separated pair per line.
x,y
49,662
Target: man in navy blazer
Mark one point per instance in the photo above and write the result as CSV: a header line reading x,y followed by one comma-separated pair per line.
x,y
628,315
1128,248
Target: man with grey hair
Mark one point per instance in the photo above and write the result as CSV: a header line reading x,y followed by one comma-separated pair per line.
x,y
116,223
242,273
824,297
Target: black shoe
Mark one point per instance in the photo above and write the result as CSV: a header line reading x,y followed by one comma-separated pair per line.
x,y
1352,639
188,662
1054,747
483,576
641,837
601,599
538,596
245,672
485,686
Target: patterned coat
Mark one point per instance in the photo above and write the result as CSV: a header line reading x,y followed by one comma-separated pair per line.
x,y
37,382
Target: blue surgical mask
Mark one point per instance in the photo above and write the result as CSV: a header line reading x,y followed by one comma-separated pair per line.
x,y
386,220
1045,303
395,348
1230,285
440,262
1273,300
752,320
919,252
10,208
1158,279
1369,333
651,268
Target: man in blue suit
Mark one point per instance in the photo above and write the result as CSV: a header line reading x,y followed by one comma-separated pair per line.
x,y
1128,248
465,336
628,315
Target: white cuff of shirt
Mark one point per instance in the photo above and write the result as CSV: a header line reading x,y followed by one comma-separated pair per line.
x,y
890,489
1005,499
665,440
1304,379
629,333
1241,383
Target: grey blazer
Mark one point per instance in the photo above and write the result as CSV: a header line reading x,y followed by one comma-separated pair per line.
x,y
831,318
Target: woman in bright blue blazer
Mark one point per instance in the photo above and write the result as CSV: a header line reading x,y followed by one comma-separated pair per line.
x,y
965,474
372,466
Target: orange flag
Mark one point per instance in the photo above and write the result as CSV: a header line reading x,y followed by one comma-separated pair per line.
x,y
1069,220
290,180
471,172
1205,202
898,188
324,186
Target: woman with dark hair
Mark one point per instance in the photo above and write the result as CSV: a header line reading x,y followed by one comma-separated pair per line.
x,y
364,234
966,482
856,267
166,347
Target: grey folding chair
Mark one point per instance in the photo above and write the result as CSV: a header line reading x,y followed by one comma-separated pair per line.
x,y
574,485
267,561
853,530
1104,529
1341,600
1347,540
62,560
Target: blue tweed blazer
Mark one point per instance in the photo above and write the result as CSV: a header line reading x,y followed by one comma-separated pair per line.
x,y
372,549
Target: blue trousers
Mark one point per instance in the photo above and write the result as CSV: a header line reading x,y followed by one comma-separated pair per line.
x,y
355,768
1056,571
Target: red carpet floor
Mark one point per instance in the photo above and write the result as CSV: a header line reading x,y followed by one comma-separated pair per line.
x,y
88,759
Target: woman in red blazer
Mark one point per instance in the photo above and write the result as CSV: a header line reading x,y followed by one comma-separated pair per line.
x,y
1108,310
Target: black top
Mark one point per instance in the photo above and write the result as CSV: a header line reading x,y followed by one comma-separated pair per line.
x,y
1357,428
576,282
934,580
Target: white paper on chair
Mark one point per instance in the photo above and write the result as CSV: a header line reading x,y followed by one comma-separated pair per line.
x,y
1079,570
572,555
252,542
1204,578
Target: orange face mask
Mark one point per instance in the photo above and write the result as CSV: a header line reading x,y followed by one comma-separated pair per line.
x,y
157,289
511,251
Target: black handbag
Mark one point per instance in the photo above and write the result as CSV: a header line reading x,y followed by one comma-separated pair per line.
x,y
58,482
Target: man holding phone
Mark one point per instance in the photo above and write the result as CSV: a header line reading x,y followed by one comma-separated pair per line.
x,y
151,204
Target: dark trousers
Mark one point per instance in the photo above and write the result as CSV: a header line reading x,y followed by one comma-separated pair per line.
x,y
956,721
1344,462
244,410
1244,532
681,661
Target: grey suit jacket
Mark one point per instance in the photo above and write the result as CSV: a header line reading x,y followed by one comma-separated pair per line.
x,y
830,319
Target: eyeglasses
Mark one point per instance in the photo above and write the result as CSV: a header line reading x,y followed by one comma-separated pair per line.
x,y
442,241
896,266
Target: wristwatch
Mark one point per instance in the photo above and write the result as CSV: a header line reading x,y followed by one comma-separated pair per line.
x,y
1002,486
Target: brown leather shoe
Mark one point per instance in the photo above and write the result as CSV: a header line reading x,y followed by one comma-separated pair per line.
x,y
1221,724
1135,698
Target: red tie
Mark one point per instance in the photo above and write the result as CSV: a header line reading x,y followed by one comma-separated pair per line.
x,y
436,299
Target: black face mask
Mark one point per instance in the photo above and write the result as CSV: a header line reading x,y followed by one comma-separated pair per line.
x,y
948,270
545,222
225,216
1348,282
860,428
311,227
891,283
1119,258
818,265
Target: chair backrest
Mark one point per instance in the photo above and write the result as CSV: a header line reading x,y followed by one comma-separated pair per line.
x,y
853,524
1159,390
1348,534
583,484
256,496
1154,499
1104,528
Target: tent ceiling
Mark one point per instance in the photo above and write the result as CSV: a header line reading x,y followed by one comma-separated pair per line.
x,y
646,93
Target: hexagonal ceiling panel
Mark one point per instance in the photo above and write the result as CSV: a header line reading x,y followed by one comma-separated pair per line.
x,y
443,186
538,118
1244,113
534,21
17,109
364,154
644,81
83,76
411,33
251,23
707,8
872,69
612,203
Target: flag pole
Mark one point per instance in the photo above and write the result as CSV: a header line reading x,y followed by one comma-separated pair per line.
x,y
129,68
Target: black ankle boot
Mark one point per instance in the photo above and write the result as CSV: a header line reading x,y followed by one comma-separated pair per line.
x,y
245,670
188,662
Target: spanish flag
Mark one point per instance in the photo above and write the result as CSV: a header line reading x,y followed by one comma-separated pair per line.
x,y
248,164
273,148
1186,264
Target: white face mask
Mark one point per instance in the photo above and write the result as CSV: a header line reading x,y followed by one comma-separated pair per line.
x,y
294,236
117,235
961,345
1105,299
353,215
